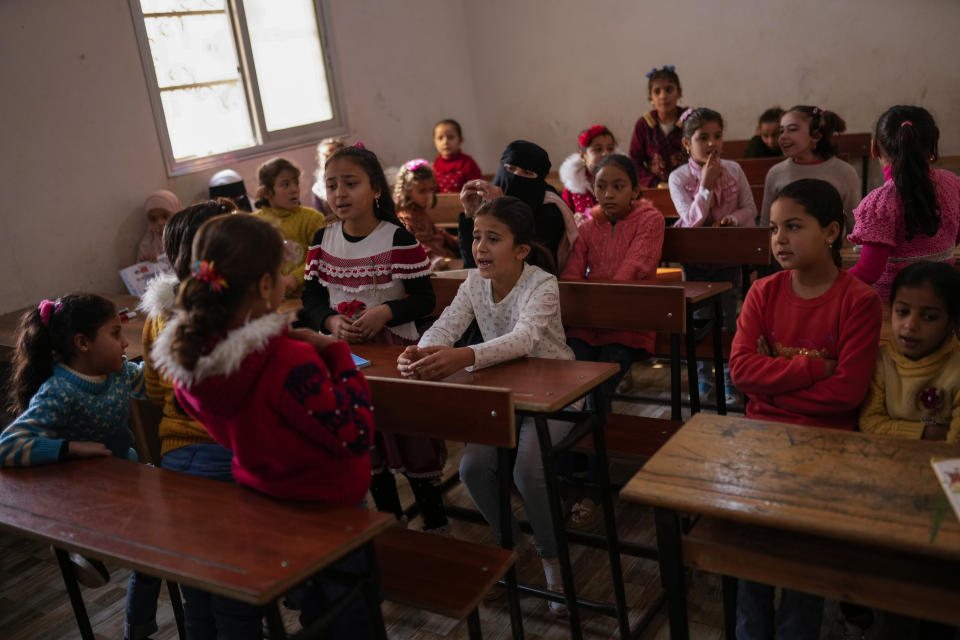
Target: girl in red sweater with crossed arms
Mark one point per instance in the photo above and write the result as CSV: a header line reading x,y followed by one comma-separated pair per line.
x,y
804,351
290,405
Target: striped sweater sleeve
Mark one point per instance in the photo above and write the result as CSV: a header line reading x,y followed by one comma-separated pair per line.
x,y
31,438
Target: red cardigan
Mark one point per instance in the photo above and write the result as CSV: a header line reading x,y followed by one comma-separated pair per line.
x,y
843,324
454,172
627,250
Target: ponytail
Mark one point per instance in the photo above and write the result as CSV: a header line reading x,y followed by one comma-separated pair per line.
x,y
909,137
46,338
231,253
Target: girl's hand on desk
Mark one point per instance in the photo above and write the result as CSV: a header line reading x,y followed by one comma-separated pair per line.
x,y
369,322
935,431
406,359
341,327
87,450
439,362
311,337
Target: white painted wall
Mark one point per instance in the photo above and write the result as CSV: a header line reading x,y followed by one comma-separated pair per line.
x,y
80,150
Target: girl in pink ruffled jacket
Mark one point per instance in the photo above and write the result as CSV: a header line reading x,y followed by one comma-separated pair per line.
x,y
915,215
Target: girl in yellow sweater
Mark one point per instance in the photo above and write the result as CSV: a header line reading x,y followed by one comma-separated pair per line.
x,y
915,392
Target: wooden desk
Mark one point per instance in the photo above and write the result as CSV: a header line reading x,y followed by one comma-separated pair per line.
x,y
132,329
214,536
842,487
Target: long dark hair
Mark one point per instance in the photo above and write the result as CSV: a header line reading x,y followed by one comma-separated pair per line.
x,y
909,137
824,122
241,249
517,215
944,278
384,208
821,200
40,346
182,227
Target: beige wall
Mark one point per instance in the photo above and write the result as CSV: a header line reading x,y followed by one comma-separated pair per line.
x,y
80,147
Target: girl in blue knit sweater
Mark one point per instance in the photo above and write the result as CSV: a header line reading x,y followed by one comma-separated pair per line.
x,y
71,384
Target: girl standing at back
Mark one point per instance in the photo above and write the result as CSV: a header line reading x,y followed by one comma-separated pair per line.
x,y
656,146
915,215
268,397
452,167
803,353
515,300
368,280
578,170
413,194
278,202
621,241
806,137
710,192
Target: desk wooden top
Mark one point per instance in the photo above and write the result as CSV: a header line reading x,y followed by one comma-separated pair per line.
x,y
206,534
539,385
132,328
849,486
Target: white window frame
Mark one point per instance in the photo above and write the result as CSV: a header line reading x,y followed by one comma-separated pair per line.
x,y
269,141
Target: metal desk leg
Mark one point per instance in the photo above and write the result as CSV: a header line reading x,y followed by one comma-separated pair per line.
x,y
606,500
371,593
693,382
176,603
473,625
504,479
73,590
671,571
556,511
718,355
275,621
675,390
728,586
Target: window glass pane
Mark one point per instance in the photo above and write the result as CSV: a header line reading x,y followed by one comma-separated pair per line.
x,y
165,6
289,61
192,49
206,120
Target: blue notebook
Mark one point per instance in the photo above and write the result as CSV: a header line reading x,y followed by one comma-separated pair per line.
x,y
360,362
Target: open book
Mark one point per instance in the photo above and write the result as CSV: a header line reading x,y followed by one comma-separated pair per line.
x,y
948,473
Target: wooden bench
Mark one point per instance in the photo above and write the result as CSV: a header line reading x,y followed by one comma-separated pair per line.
x,y
756,168
430,572
661,199
446,211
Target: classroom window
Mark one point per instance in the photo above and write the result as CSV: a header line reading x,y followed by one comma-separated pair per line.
x,y
231,79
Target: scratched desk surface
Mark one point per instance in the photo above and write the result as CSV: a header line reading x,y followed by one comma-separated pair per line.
x,y
851,486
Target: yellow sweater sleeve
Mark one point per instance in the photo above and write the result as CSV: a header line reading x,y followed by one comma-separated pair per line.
x,y
874,417
155,389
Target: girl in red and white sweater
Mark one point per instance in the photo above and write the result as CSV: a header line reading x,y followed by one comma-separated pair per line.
x,y
804,352
295,411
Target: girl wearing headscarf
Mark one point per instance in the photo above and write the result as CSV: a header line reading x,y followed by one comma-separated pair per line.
x,y
159,207
522,172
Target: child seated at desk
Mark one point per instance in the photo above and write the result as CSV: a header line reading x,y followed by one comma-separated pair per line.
x,y
578,170
413,194
515,299
805,345
452,167
765,143
295,412
159,206
71,386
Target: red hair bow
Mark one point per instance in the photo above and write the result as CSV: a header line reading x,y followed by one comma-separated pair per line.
x,y
587,136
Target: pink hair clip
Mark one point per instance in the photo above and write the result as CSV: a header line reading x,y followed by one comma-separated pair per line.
x,y
47,308
413,165
359,145
906,123
685,114
204,272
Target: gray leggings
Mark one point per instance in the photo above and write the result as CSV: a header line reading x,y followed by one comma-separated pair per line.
x,y
478,472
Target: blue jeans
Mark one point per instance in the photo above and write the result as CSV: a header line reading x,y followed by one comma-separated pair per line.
x,y
799,616
478,472
205,615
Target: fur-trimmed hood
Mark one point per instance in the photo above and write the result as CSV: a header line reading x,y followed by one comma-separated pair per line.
x,y
231,367
573,174
160,296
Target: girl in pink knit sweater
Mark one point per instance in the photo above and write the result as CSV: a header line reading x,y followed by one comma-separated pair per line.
x,y
915,215
621,241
